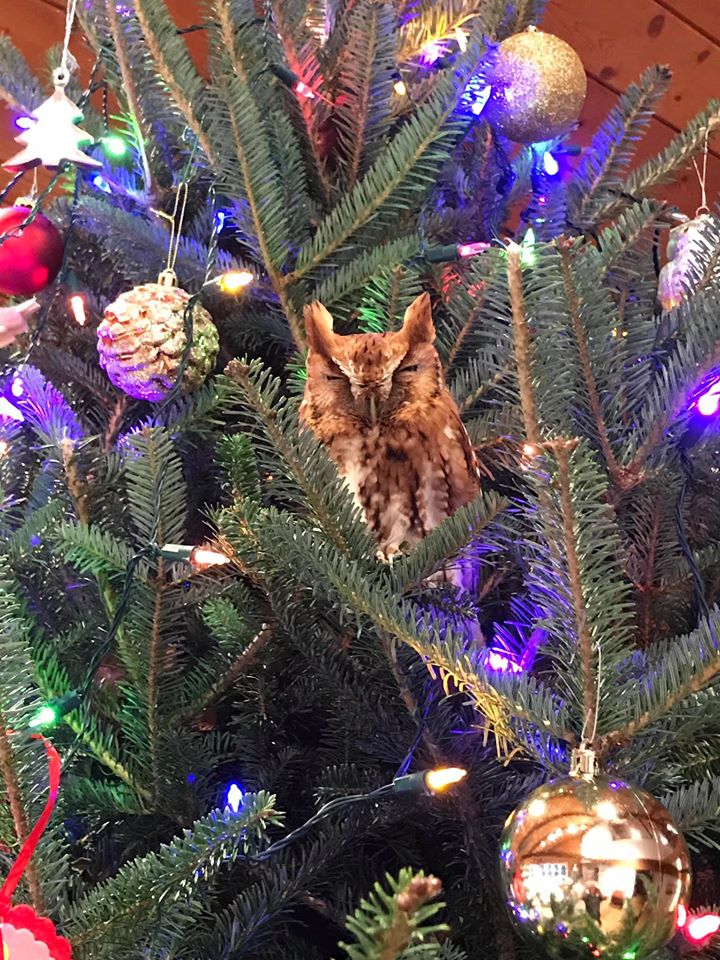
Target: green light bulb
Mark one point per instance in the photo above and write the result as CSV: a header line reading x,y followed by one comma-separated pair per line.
x,y
527,249
44,717
114,146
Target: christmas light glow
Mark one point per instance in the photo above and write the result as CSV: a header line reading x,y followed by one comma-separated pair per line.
x,y
500,663
472,249
437,781
45,716
431,52
24,123
9,411
77,306
304,90
400,88
114,146
550,164
235,280
207,557
699,929
708,401
234,797
101,183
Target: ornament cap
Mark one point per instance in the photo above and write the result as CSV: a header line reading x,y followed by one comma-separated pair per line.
x,y
583,762
168,278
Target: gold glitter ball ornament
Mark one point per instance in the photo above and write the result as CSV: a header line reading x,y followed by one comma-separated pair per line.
x,y
538,87
141,341
594,868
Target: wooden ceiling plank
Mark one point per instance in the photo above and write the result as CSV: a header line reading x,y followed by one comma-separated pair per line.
x,y
617,40
703,15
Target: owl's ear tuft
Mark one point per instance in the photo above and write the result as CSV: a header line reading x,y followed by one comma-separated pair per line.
x,y
319,328
418,324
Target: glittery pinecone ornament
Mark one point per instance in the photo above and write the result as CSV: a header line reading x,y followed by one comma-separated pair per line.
x,y
142,339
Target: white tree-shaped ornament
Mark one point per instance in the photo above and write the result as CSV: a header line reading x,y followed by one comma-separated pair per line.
x,y
54,138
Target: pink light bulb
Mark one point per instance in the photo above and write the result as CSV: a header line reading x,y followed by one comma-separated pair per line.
x,y
701,928
708,403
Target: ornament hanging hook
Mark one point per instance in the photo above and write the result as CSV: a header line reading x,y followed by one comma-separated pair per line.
x,y
702,176
68,63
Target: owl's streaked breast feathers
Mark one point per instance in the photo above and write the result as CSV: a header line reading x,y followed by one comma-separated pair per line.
x,y
380,405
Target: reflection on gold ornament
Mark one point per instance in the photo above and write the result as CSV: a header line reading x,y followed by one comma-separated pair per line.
x,y
596,868
538,87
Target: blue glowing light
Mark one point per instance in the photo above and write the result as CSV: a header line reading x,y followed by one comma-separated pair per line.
x,y
234,797
707,400
475,96
35,540
99,181
552,167
191,778
9,411
16,387
432,52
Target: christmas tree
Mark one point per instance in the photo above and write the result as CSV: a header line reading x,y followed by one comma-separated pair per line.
x,y
275,742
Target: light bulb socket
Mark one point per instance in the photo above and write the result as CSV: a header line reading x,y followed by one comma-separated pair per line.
x,y
58,707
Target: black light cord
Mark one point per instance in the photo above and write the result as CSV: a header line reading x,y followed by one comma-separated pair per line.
x,y
106,645
325,811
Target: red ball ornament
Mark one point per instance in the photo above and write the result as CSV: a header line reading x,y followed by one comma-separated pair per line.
x,y
30,258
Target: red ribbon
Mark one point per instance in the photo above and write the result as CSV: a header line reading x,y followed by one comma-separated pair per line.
x,y
30,845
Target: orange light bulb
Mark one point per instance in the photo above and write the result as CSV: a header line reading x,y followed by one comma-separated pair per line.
x,y
207,557
77,305
437,781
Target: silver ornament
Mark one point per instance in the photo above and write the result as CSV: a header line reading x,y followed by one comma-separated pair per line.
x,y
592,867
681,275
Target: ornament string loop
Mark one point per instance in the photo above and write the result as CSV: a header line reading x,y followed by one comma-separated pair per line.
x,y
587,737
30,845
702,176
68,64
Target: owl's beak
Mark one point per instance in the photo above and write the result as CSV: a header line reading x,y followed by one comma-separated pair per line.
x,y
372,409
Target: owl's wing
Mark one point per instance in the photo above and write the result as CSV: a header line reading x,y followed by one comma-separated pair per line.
x,y
475,467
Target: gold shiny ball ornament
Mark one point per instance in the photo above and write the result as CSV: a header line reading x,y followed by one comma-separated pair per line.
x,y
538,87
594,868
142,339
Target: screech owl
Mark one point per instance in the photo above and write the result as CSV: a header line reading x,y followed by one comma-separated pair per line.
x,y
380,405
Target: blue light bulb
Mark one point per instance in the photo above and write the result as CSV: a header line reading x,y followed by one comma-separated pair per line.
x,y
234,797
552,167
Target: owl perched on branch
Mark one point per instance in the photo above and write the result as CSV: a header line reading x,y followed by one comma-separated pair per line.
x,y
380,405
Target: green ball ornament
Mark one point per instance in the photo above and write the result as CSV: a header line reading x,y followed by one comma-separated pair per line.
x,y
592,867
538,87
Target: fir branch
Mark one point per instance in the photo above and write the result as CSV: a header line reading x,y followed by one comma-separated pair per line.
x,y
394,924
565,246
304,64
244,661
173,876
130,91
172,61
704,656
561,451
401,172
17,809
522,345
614,144
362,104
664,167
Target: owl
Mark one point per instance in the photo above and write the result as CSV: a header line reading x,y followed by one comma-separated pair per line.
x,y
380,405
